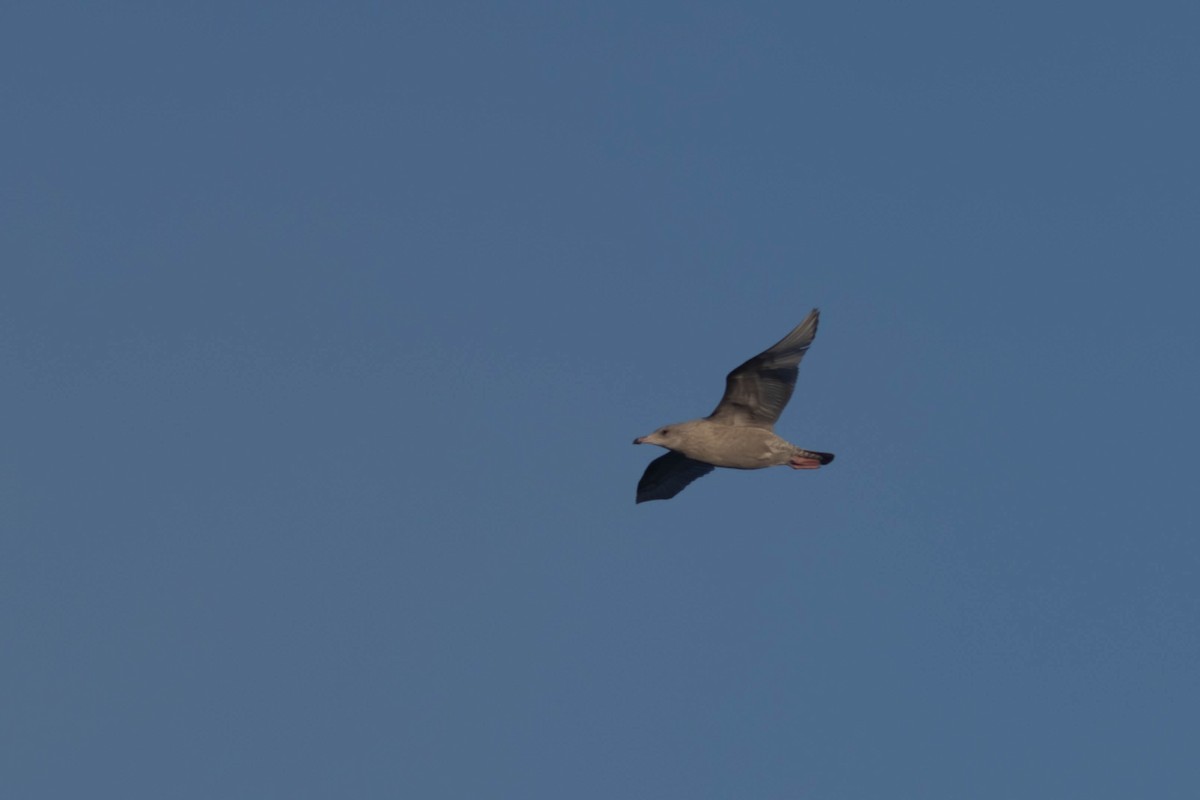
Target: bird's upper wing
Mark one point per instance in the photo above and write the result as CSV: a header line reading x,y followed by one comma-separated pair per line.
x,y
666,476
757,391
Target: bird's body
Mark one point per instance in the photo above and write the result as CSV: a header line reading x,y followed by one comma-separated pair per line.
x,y
723,445
739,434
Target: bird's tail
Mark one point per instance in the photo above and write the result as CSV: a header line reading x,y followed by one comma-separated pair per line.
x,y
824,458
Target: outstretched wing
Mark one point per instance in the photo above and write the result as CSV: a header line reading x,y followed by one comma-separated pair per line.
x,y
667,476
757,391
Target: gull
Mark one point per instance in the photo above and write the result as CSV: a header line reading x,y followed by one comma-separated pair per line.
x,y
739,433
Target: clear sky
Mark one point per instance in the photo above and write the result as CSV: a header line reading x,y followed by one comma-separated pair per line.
x,y
326,329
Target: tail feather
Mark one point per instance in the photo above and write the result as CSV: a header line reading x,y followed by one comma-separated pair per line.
x,y
824,458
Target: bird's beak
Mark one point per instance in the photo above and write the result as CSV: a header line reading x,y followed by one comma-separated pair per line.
x,y
639,440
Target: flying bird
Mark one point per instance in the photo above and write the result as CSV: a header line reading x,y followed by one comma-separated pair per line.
x,y
739,434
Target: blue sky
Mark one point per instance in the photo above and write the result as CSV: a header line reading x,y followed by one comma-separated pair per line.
x,y
327,328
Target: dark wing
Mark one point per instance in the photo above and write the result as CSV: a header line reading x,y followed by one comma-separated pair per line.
x,y
667,476
757,391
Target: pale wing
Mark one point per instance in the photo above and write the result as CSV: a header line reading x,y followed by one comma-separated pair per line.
x,y
757,391
666,476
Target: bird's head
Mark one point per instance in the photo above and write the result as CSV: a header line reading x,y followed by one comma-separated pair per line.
x,y
667,436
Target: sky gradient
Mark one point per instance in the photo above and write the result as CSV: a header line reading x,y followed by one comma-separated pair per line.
x,y
327,328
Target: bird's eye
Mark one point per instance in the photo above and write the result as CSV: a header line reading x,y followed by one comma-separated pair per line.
x,y
665,431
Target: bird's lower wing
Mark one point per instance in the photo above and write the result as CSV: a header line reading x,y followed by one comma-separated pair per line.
x,y
667,476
